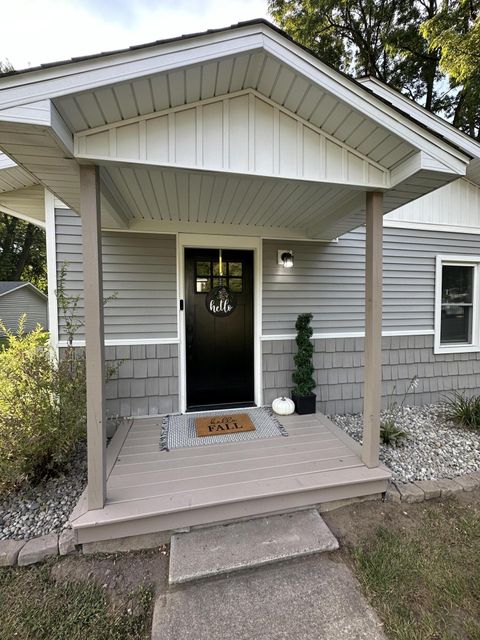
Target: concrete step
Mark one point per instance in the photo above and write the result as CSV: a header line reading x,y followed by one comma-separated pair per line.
x,y
250,543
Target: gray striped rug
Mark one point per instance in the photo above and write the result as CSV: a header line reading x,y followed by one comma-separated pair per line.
x,y
178,430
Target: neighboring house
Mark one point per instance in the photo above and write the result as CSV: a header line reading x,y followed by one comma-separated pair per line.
x,y
18,298
241,142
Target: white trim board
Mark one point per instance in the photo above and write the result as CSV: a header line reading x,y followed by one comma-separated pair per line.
x,y
426,226
124,342
440,261
350,334
51,247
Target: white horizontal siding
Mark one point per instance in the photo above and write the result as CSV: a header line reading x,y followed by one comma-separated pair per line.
x,y
139,270
24,300
328,281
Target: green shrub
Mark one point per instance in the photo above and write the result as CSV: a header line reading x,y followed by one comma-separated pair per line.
x,y
390,434
303,374
462,410
28,406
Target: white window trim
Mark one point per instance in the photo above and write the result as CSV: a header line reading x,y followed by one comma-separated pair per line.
x,y
457,260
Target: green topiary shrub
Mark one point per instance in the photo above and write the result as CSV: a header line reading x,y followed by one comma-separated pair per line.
x,y
303,374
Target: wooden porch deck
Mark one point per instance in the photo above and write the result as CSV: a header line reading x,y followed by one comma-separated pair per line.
x,y
149,490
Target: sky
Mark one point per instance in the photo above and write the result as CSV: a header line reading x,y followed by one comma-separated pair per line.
x,y
42,31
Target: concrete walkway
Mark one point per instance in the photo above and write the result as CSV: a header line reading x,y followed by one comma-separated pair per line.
x,y
314,598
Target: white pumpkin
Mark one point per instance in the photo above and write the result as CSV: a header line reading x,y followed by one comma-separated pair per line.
x,y
283,406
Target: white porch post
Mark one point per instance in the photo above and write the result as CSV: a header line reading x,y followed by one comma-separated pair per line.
x,y
94,334
373,329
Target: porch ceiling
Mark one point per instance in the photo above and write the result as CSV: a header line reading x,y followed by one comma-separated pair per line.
x,y
167,199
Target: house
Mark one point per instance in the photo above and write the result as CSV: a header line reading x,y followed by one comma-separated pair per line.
x,y
18,298
161,168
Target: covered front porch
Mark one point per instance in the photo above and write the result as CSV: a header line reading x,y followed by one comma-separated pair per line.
x,y
151,491
223,140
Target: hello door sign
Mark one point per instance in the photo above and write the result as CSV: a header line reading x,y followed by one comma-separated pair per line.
x,y
223,425
220,301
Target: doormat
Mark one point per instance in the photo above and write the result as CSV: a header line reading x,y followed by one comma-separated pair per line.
x,y
214,426
179,431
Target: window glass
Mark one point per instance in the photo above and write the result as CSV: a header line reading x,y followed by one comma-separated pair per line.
x,y
203,268
457,284
457,304
234,268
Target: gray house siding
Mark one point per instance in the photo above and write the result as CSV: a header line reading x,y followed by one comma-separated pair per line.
x,y
145,382
328,280
138,270
339,371
24,300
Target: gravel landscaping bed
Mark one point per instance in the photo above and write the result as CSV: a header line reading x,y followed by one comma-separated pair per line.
x,y
45,508
433,449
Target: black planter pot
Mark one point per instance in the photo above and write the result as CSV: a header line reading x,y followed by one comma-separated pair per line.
x,y
305,404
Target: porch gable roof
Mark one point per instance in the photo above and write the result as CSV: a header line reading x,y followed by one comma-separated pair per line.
x,y
47,114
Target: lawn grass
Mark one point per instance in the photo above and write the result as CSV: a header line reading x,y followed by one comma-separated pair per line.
x,y
33,606
424,580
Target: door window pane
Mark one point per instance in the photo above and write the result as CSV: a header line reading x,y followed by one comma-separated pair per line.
x,y
457,304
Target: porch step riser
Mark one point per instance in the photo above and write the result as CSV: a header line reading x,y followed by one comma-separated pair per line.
x,y
256,542
227,512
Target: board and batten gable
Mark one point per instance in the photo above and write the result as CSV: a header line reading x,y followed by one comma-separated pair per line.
x,y
456,205
327,280
139,278
20,301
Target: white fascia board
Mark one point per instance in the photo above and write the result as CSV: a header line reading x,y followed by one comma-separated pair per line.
x,y
355,94
122,67
42,113
431,120
423,161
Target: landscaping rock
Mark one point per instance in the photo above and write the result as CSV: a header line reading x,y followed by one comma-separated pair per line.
x,y
410,493
430,488
67,543
392,494
38,549
434,448
449,488
9,550
35,511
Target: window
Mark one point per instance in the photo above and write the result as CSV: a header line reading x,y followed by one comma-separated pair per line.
x,y
207,276
456,313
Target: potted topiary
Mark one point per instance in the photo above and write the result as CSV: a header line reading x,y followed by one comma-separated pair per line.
x,y
302,394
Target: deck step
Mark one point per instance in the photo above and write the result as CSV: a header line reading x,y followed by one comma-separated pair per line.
x,y
250,543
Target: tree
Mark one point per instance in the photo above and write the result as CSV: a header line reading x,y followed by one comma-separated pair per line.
x,y
22,251
22,245
455,32
380,38
384,39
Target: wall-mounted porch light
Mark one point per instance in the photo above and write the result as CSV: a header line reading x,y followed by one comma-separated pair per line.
x,y
285,258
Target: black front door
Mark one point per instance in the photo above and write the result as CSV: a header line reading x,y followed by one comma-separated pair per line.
x,y
219,328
